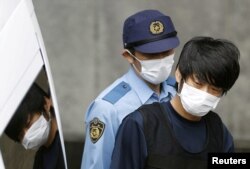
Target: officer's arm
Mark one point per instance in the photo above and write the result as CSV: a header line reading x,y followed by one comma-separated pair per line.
x,y
100,137
130,146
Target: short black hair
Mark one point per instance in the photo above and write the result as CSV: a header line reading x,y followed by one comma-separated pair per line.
x,y
131,50
33,102
215,61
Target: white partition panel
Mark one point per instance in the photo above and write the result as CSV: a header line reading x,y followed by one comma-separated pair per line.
x,y
20,61
22,55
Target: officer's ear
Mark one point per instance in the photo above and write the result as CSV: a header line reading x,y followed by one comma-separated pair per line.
x,y
127,55
178,75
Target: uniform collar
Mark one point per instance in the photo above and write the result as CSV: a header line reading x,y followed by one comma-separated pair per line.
x,y
167,90
143,91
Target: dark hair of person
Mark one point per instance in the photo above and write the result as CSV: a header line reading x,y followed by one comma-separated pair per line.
x,y
131,50
33,102
214,61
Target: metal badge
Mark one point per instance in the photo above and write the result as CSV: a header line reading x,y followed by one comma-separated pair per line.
x,y
96,129
156,27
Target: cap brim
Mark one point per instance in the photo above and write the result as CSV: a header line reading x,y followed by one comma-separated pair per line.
x,y
159,46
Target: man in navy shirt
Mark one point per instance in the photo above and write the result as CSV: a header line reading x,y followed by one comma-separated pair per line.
x,y
179,133
34,126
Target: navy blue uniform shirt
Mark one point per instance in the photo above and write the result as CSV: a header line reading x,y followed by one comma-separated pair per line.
x,y
50,157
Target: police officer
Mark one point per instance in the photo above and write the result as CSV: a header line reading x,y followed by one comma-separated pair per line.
x,y
179,133
149,39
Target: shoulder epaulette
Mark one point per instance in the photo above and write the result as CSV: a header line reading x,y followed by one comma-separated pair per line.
x,y
117,92
171,81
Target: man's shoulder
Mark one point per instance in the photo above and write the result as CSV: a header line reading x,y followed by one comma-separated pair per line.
x,y
112,94
214,116
116,92
108,98
110,87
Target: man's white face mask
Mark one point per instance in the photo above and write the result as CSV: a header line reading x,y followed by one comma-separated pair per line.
x,y
155,71
197,102
37,134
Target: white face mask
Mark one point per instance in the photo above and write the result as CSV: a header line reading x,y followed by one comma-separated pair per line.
x,y
37,134
155,71
197,102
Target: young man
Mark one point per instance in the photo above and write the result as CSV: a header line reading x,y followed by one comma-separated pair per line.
x,y
34,126
179,133
149,39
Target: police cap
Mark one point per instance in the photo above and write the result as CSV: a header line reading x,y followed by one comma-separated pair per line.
x,y
149,31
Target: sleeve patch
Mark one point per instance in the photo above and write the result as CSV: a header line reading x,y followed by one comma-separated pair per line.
x,y
96,129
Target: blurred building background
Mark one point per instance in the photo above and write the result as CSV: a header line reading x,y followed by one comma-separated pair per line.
x,y
83,39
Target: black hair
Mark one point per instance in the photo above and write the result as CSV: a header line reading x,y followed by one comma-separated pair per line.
x,y
33,102
131,50
214,61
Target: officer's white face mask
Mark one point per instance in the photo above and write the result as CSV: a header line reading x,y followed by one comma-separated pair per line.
x,y
37,134
155,71
197,102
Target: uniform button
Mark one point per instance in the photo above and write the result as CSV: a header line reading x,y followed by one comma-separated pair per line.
x,y
124,86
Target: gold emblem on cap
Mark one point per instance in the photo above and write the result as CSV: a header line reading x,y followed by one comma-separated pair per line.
x,y
96,129
156,27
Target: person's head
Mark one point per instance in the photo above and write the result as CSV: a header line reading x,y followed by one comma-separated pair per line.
x,y
30,125
209,65
149,39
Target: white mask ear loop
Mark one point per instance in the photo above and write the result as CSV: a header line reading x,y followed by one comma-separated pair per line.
x,y
135,59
